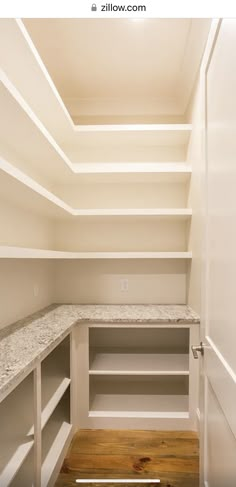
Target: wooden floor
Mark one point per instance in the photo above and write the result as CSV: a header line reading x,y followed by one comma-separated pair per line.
x,y
171,456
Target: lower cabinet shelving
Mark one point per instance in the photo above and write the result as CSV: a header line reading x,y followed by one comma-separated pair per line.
x,y
16,442
55,435
139,397
25,475
138,376
18,464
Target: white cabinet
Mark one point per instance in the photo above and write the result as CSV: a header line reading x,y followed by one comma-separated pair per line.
x,y
38,429
139,376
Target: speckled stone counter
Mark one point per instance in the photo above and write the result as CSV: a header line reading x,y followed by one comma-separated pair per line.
x,y
26,342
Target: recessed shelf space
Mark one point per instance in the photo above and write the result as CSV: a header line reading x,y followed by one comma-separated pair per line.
x,y
133,396
55,373
16,440
56,436
140,372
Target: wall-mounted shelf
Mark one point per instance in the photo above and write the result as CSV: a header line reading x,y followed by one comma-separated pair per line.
x,y
32,194
27,253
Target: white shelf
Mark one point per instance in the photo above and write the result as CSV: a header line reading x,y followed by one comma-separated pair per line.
x,y
13,465
139,406
29,253
54,452
147,127
23,449
52,403
87,136
29,192
138,364
172,171
182,213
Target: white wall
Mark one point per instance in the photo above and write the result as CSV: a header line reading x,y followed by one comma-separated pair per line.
x,y
99,281
22,227
25,287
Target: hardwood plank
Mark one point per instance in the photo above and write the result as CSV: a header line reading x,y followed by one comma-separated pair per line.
x,y
172,456
126,442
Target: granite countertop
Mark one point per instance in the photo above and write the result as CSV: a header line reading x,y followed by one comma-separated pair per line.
x,y
29,340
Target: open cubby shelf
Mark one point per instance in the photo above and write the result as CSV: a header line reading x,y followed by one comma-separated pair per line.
x,y
16,440
139,406
138,373
18,434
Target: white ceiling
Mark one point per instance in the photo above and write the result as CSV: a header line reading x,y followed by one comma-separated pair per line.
x,y
99,62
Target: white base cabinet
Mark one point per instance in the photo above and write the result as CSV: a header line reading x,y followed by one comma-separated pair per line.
x,y
137,376
36,422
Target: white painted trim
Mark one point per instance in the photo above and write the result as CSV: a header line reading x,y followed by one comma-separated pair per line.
x,y
224,383
198,419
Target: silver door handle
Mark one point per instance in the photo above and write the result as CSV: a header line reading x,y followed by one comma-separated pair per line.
x,y
197,349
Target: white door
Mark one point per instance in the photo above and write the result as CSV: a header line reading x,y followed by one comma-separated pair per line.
x,y
218,432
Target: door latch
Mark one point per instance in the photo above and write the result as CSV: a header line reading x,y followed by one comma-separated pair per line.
x,y
198,349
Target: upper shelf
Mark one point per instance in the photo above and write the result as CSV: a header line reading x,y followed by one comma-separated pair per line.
x,y
60,161
35,196
29,253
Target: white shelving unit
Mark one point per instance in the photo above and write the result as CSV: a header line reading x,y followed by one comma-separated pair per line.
x,y
16,438
137,376
55,435
19,435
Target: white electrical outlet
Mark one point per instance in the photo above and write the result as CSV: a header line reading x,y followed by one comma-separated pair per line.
x,y
124,285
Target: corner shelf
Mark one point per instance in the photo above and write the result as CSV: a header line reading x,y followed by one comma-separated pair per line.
x,y
29,253
35,195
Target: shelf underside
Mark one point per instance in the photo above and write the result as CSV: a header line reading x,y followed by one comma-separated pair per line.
x,y
136,364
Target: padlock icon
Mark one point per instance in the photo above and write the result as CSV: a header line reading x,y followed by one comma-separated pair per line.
x,y
94,7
